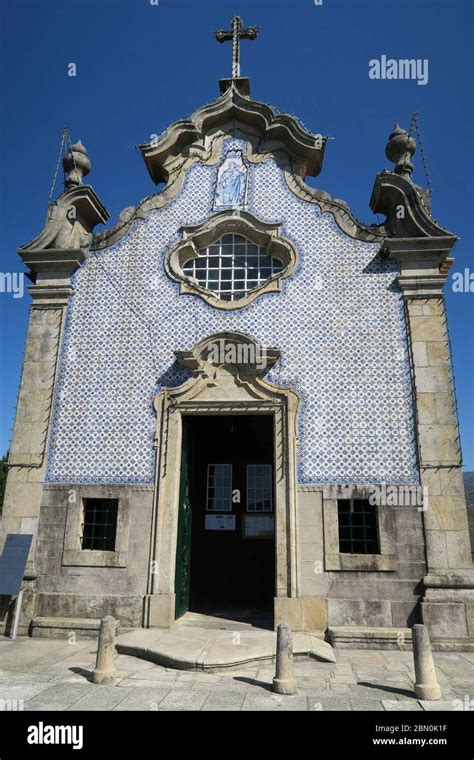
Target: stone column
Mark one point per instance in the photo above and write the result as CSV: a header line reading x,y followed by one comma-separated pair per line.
x,y
27,460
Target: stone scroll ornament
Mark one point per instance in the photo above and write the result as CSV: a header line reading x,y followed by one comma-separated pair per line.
x,y
231,182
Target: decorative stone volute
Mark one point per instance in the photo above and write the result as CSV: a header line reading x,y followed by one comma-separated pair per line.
x,y
77,164
61,247
400,148
406,205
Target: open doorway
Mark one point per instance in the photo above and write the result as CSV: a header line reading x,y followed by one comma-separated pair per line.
x,y
225,564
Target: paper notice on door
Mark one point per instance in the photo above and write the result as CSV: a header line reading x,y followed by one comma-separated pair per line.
x,y
220,522
258,526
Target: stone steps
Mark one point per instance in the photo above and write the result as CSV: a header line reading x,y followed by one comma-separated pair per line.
x,y
192,648
371,637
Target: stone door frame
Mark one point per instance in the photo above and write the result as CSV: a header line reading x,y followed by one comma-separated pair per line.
x,y
214,390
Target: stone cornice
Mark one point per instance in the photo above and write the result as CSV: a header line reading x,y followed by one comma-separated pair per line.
x,y
48,296
423,270
52,260
462,578
427,286
307,148
419,248
338,208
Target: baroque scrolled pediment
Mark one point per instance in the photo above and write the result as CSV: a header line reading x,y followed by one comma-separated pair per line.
x,y
233,106
229,368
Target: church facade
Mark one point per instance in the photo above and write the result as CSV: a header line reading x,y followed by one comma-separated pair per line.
x,y
240,397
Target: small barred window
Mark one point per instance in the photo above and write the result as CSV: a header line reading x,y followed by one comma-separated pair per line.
x,y
358,527
100,524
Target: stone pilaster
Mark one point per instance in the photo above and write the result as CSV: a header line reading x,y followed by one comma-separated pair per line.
x,y
51,266
449,582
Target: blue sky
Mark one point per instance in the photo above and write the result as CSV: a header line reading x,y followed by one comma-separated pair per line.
x,y
142,66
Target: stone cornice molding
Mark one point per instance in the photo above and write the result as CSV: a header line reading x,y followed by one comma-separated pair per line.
x,y
423,263
429,286
221,223
462,578
59,261
234,106
405,249
48,296
338,208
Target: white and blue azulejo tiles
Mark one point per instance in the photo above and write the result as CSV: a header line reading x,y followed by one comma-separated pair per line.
x,y
338,323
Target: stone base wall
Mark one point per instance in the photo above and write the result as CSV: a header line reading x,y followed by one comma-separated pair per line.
x,y
388,598
127,609
63,589
326,598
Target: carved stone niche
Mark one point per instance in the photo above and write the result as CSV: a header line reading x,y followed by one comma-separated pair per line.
x,y
267,236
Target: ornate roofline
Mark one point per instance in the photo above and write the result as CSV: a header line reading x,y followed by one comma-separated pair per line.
x,y
343,216
208,152
307,148
406,207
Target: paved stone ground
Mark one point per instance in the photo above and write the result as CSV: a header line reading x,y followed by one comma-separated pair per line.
x,y
52,675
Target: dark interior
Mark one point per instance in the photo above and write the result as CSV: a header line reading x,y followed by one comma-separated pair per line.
x,y
232,569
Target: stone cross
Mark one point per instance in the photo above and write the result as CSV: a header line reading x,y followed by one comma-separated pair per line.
x,y
235,35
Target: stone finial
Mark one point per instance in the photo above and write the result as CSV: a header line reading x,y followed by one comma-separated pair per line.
x,y
76,163
400,148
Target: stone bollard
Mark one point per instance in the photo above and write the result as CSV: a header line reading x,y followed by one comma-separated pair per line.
x,y
105,671
284,681
426,685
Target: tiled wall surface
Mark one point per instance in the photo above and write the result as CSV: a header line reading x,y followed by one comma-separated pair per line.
x,y
338,323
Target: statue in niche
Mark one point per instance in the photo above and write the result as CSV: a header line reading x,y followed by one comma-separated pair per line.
x,y
231,182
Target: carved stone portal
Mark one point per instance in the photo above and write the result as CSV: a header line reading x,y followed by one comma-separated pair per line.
x,y
227,378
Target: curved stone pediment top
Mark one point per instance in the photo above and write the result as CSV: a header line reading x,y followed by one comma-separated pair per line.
x,y
209,152
228,367
307,148
234,350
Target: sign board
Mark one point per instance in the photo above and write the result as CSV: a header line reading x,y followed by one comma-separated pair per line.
x,y
220,522
259,526
13,562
